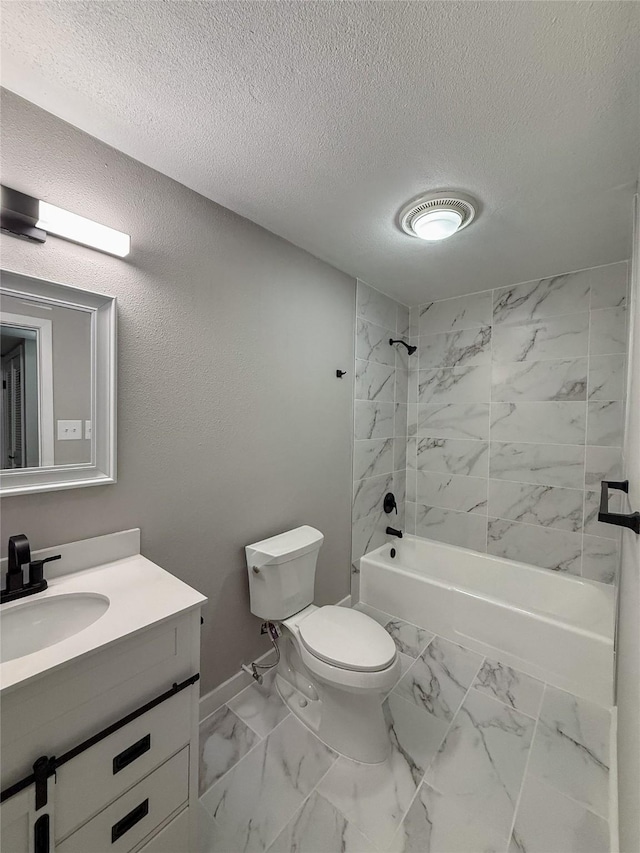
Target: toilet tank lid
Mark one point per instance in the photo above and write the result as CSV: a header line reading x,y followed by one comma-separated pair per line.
x,y
284,547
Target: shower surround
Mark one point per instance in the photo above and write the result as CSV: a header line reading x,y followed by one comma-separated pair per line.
x,y
515,414
380,417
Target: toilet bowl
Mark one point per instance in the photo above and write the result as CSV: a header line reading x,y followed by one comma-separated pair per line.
x,y
336,664
336,667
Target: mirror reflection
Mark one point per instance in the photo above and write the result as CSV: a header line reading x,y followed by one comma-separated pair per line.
x,y
46,384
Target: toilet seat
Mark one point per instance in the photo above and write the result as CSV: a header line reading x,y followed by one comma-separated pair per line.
x,y
347,639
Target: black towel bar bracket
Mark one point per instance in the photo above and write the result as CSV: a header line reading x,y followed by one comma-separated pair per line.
x,y
630,520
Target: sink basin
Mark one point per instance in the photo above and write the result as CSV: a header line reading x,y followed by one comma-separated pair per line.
x,y
36,625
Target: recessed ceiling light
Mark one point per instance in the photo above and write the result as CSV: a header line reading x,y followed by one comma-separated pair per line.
x,y
437,215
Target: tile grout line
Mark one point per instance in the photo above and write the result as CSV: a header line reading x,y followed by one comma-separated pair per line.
x,y
306,798
261,740
526,767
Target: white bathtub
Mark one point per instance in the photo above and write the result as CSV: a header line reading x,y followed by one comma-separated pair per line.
x,y
555,627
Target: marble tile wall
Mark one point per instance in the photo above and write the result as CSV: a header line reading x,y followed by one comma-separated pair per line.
x,y
380,417
515,414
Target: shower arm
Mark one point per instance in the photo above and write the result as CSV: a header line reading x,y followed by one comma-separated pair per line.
x,y
410,349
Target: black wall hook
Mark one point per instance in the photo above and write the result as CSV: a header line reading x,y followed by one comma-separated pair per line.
x,y
340,373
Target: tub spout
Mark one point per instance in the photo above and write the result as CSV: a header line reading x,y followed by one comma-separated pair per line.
x,y
391,531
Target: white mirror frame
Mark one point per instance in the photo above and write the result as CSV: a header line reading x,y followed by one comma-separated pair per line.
x,y
102,309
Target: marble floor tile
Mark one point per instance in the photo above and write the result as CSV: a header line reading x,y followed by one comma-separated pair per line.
x,y
206,831
374,797
259,796
571,749
409,639
482,760
436,823
548,822
318,827
416,734
516,689
224,739
260,706
405,663
439,678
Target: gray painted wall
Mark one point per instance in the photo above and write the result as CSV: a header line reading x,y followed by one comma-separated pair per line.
x,y
232,425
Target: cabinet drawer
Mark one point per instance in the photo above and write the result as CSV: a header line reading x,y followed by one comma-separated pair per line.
x,y
173,838
87,783
134,815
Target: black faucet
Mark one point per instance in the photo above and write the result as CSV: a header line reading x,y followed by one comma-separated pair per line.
x,y
19,554
391,531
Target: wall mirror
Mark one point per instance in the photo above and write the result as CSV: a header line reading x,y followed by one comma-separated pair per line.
x,y
58,405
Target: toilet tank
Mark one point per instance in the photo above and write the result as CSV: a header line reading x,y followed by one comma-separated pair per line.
x,y
282,572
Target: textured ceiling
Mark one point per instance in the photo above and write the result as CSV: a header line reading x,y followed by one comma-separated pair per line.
x,y
319,120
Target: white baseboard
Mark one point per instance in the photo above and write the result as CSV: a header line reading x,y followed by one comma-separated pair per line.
x,y
211,701
220,695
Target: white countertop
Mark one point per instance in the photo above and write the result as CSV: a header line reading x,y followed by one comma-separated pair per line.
x,y
140,594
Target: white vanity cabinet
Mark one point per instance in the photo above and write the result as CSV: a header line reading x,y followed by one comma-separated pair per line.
x,y
122,724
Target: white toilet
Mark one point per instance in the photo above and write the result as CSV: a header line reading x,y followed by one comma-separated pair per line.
x,y
336,664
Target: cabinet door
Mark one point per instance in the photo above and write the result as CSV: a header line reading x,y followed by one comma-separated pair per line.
x,y
22,829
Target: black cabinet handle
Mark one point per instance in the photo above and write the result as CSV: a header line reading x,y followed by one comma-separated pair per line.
x,y
124,758
129,821
630,520
41,843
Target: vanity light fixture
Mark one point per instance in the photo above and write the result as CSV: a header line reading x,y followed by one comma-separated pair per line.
x,y
436,216
32,219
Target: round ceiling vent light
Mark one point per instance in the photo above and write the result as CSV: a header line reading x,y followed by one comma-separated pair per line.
x,y
437,215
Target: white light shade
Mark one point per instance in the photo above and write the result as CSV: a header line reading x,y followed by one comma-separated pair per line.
x,y
62,223
436,224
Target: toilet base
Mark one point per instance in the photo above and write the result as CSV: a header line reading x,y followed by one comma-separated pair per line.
x,y
352,724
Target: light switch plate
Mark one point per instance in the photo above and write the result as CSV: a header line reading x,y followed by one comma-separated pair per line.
x,y
87,429
69,430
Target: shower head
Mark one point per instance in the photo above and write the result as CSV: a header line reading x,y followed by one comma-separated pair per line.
x,y
410,349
